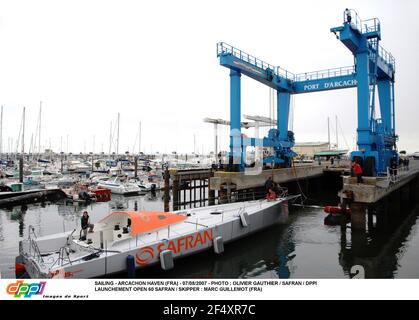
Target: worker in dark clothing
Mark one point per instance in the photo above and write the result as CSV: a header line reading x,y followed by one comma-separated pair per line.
x,y
269,184
393,166
348,15
85,223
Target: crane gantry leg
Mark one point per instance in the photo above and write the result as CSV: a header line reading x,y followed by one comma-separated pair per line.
x,y
363,89
283,111
236,152
384,95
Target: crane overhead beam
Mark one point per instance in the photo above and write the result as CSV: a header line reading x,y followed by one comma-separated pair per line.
x,y
260,119
283,80
244,124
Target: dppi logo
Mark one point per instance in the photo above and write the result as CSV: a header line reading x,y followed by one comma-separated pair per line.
x,y
27,290
144,256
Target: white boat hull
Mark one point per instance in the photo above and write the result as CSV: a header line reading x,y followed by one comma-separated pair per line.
x,y
121,188
194,235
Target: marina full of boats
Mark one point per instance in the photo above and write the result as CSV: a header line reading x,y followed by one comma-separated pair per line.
x,y
123,175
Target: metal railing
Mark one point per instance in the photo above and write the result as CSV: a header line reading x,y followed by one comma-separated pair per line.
x,y
34,251
394,174
370,25
363,26
351,16
236,196
226,49
327,73
386,56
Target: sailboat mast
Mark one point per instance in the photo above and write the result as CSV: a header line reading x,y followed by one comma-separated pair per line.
x,y
328,132
23,149
1,131
31,149
117,138
23,132
139,140
337,136
39,134
110,140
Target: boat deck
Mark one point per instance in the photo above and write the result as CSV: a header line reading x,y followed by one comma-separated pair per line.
x,y
199,219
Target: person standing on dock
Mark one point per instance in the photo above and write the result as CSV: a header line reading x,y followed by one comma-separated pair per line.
x,y
393,166
352,168
358,172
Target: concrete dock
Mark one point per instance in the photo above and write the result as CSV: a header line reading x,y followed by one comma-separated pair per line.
x,y
373,189
246,180
389,192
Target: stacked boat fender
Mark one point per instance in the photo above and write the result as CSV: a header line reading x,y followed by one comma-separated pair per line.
x,y
335,215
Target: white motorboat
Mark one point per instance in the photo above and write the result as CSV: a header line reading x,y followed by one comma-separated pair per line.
x,y
79,166
144,186
119,187
146,238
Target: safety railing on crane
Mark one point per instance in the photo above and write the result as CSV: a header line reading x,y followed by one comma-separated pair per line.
x,y
363,26
351,16
368,26
386,56
327,73
224,48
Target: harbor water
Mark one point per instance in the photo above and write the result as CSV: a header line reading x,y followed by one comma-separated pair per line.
x,y
303,247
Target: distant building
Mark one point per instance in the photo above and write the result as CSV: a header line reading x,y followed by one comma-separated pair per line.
x,y
308,149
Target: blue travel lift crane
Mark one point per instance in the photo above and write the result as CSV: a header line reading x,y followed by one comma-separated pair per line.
x,y
374,68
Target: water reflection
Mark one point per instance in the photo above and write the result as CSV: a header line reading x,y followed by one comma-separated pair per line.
x,y
380,248
301,248
1,228
18,214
